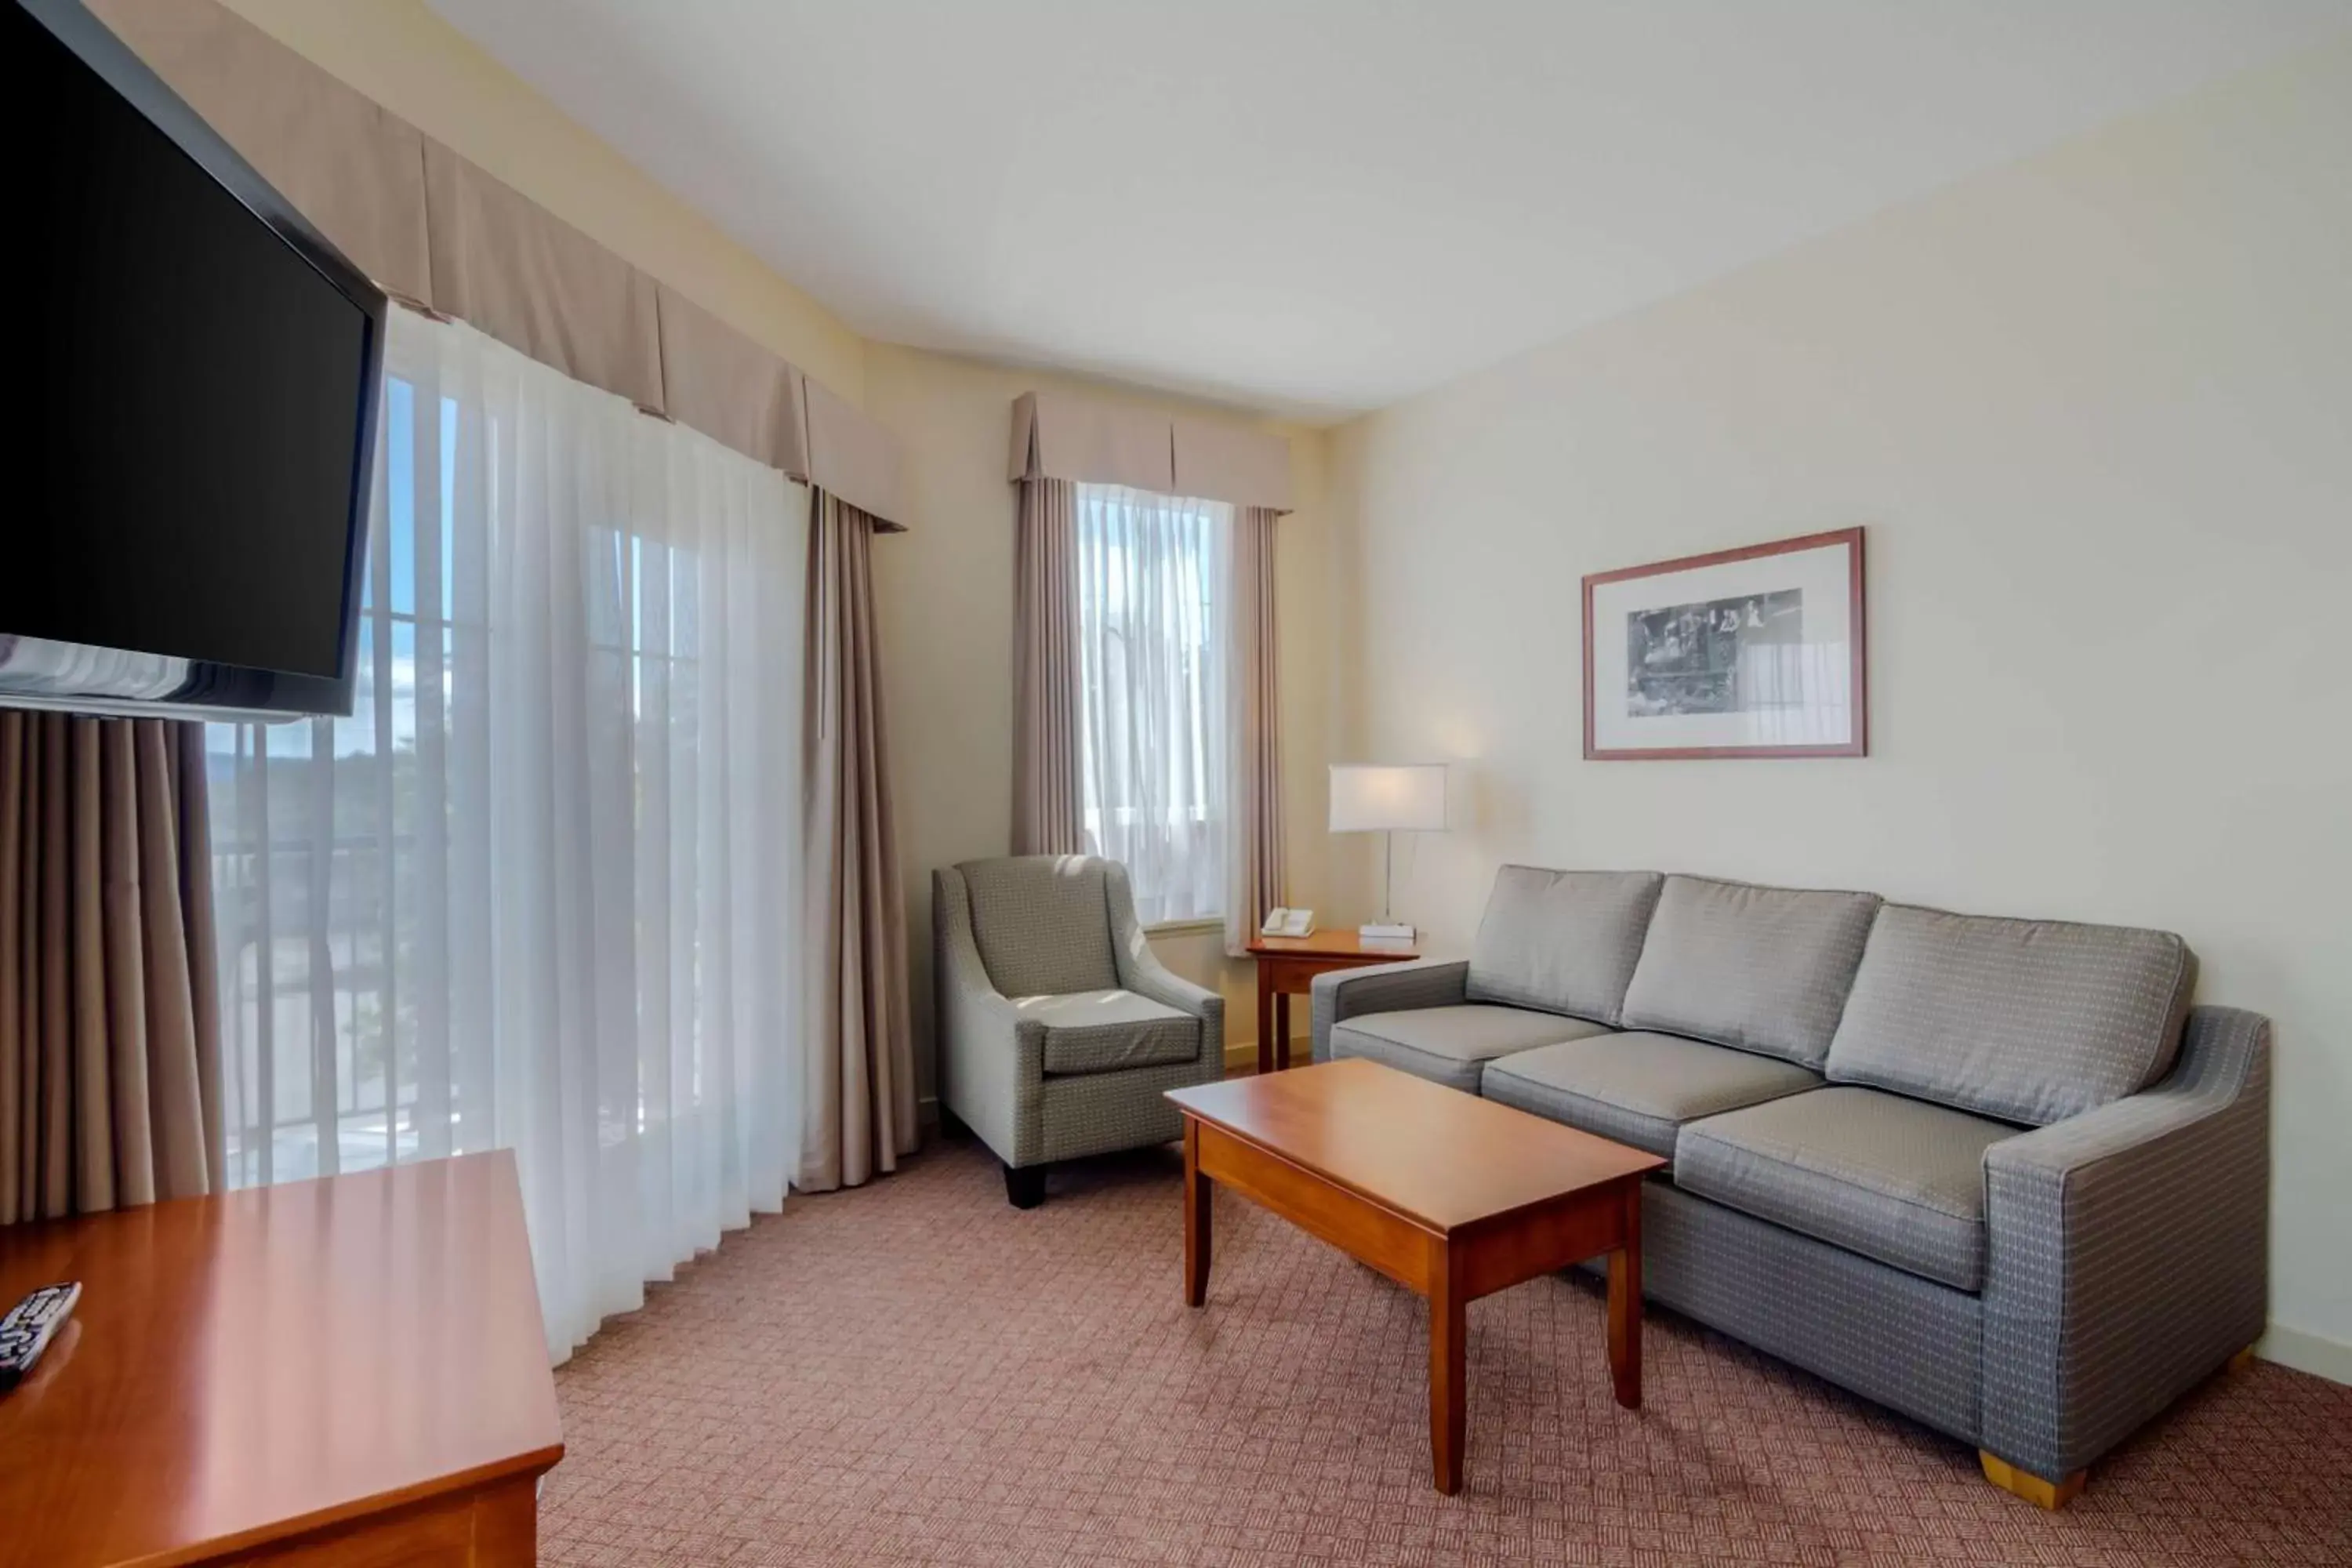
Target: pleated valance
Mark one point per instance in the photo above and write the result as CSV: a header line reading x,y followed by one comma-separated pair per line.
x,y
439,232
1224,462
727,387
851,458
506,265
353,169
1089,440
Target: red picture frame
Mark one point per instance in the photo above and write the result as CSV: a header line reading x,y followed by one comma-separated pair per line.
x,y
1857,746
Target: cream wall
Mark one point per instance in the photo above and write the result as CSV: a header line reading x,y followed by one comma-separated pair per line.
x,y
944,598
2097,413
415,63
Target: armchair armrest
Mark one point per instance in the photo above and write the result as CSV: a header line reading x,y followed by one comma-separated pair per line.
x,y
1140,971
2128,1251
1385,988
992,1056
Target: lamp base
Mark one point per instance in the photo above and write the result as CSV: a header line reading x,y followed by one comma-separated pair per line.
x,y
1382,932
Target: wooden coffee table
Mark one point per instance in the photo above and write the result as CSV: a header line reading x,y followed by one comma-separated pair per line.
x,y
1450,1195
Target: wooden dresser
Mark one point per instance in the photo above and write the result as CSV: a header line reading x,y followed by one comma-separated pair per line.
x,y
349,1371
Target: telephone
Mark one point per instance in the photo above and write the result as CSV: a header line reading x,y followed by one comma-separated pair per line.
x,y
1288,922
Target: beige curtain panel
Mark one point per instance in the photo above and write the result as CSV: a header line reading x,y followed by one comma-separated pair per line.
x,y
1062,435
441,233
1259,847
110,1048
1046,813
860,1099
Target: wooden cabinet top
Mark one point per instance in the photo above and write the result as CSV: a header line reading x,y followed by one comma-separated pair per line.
x,y
251,1366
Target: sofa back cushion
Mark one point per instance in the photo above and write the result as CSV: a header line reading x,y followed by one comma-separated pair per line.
x,y
1042,925
1764,969
1562,942
2031,1021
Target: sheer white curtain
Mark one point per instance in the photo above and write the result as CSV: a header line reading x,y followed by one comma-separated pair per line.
x,y
1154,693
541,892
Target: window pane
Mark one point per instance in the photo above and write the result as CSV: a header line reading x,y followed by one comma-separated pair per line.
x,y
1152,573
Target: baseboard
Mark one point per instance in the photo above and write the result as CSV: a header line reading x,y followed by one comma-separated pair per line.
x,y
2314,1354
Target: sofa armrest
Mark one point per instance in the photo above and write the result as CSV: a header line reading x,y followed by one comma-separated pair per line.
x,y
1385,988
991,1058
2128,1251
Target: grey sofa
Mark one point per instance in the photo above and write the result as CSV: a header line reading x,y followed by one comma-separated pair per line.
x,y
1997,1174
1059,1030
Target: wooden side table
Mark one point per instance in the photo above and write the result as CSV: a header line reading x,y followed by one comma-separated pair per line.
x,y
1287,967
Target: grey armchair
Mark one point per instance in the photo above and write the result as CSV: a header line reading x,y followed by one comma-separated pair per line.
x,y
1059,1030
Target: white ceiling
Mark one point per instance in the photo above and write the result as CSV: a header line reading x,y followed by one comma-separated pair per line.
x,y
1318,206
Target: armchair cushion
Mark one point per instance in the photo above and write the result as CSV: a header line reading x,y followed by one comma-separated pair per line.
x,y
1108,1031
1452,1045
1893,1179
1043,924
1639,1088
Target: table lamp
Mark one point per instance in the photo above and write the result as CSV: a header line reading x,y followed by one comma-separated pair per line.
x,y
1388,798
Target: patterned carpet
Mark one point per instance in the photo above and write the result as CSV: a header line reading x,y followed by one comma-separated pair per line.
x,y
915,1373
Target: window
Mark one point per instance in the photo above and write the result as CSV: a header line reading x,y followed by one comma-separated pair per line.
x,y
536,892
1153,705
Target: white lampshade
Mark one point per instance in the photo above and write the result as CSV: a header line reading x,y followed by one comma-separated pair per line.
x,y
1373,797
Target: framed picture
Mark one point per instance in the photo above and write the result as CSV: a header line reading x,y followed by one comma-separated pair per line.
x,y
1744,653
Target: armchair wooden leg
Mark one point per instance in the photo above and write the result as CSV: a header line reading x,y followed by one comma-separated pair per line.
x,y
2032,1488
2242,1360
1025,1185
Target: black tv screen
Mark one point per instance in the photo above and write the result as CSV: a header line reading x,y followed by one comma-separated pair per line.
x,y
187,526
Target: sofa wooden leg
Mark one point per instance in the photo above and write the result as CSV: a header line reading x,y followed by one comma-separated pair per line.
x,y
2242,1360
2029,1485
1025,1185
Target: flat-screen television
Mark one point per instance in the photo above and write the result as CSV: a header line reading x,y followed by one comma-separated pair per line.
x,y
188,465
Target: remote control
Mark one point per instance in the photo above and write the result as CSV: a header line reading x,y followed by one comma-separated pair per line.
x,y
25,1331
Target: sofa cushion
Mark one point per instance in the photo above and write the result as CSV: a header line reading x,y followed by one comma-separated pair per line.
x,y
1765,969
1450,1045
2032,1021
1042,925
1106,1031
1639,1088
1893,1179
1565,941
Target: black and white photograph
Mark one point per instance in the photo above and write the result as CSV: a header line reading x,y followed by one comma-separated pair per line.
x,y
1726,655
1755,651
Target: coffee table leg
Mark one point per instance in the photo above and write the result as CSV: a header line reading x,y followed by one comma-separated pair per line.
x,y
1448,1338
1196,1219
1625,1304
